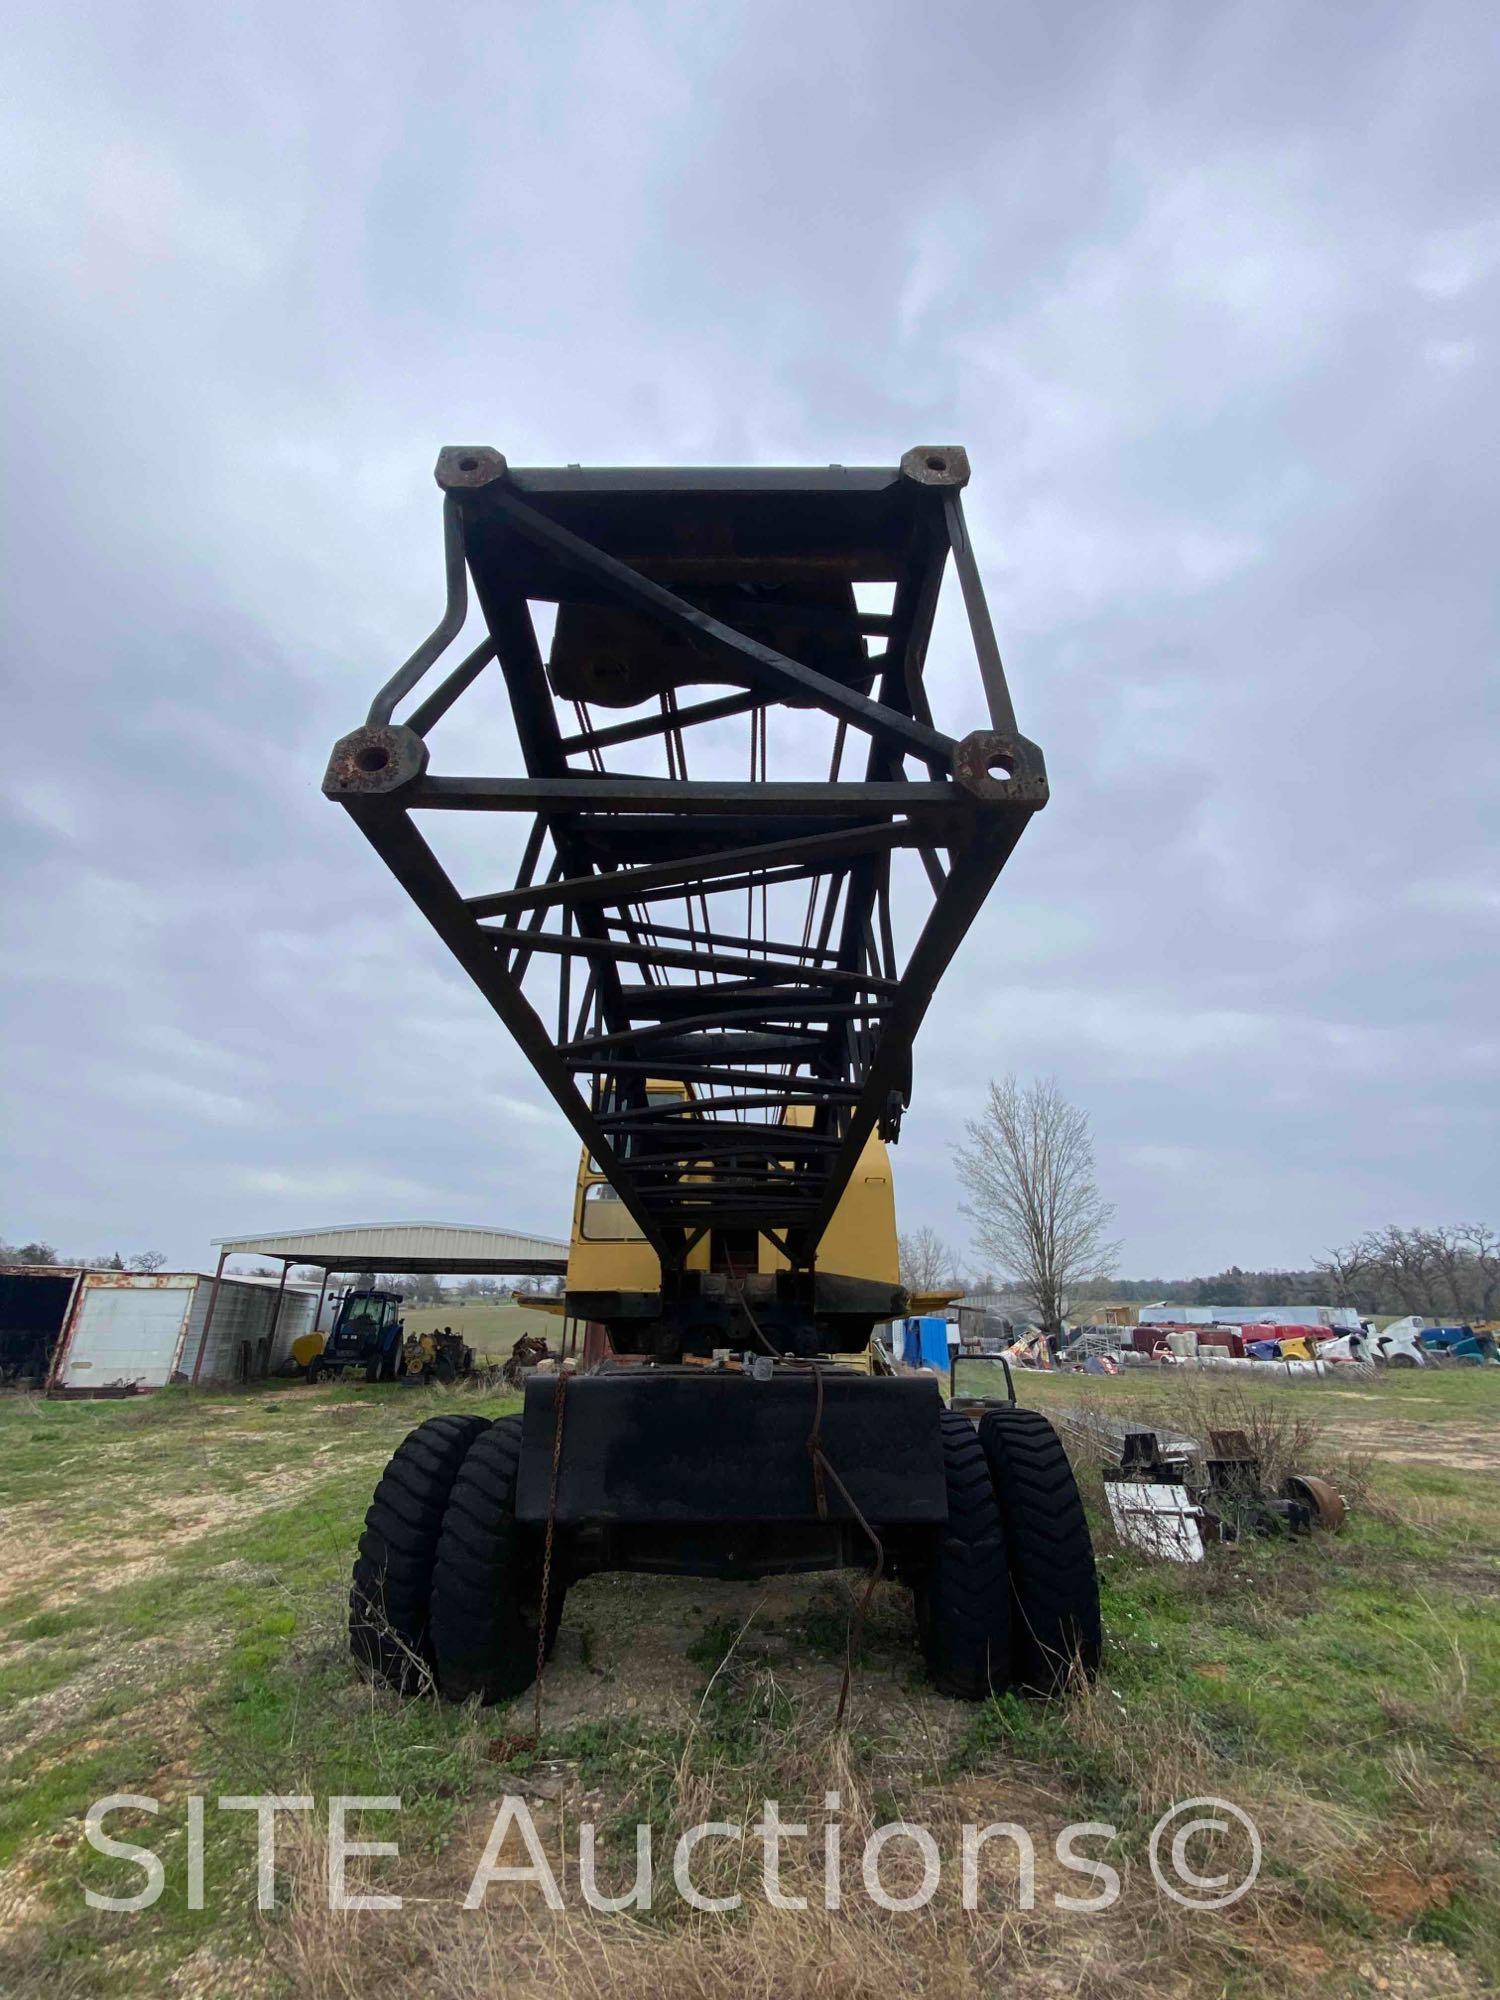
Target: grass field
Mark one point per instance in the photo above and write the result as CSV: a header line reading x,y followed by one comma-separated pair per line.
x,y
173,1582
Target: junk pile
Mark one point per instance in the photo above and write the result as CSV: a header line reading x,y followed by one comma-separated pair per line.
x,y
1295,1349
1170,1498
529,1352
437,1356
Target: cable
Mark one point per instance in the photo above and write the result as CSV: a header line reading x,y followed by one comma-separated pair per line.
x,y
824,1469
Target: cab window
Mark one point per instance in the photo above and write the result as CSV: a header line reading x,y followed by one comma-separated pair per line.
x,y
655,1096
606,1219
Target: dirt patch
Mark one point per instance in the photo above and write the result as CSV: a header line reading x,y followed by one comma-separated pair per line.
x,y
1465,1447
1399,1894
1420,1972
139,1668
641,1647
85,1557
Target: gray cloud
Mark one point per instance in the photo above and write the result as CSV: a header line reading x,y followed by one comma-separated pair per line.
x,y
1210,295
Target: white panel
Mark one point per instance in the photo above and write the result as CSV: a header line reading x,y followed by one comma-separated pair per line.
x,y
124,1334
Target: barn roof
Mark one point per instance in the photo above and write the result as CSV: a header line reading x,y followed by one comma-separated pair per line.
x,y
434,1248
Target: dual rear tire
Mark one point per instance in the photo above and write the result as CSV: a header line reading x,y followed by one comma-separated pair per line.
x,y
487,1580
1054,1586
1011,1597
447,1586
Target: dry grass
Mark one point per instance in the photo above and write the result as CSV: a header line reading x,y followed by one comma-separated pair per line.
x,y
1344,1691
1285,1437
746,1743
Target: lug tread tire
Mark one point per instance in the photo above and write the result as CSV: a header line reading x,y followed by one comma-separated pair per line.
x,y
488,1579
389,1603
1054,1583
963,1602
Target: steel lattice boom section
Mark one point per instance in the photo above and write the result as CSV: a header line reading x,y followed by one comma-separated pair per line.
x,y
732,935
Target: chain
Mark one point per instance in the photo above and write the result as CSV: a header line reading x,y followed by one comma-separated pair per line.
x,y
823,1469
541,1628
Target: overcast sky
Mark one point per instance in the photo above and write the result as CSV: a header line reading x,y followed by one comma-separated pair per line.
x,y
1211,295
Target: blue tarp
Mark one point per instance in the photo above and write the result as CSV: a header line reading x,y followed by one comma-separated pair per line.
x,y
924,1342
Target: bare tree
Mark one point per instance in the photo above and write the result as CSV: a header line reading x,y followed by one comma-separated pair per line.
x,y
148,1260
1432,1272
1405,1257
1345,1269
1028,1168
1452,1265
927,1263
1483,1245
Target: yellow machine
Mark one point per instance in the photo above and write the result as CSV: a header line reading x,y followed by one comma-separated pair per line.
x,y
307,1347
610,1265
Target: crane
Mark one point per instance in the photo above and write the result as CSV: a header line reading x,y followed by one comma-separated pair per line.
x,y
739,854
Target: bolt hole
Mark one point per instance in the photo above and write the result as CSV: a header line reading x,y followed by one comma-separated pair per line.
x,y
936,464
1001,767
468,465
373,759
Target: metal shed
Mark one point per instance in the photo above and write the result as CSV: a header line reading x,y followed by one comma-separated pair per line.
x,y
434,1249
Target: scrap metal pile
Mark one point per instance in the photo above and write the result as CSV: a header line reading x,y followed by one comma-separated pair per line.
x,y
1169,1497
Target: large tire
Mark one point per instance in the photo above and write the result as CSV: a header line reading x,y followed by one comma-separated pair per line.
x,y
388,1605
963,1596
1054,1584
486,1591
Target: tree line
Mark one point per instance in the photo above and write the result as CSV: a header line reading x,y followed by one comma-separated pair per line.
x,y
421,1289
45,1253
1026,1165
1438,1274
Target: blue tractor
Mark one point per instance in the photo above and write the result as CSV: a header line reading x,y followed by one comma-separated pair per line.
x,y
367,1333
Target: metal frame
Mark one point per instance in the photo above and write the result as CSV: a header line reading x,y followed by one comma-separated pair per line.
x,y
707,577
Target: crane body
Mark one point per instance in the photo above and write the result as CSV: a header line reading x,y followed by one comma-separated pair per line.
x,y
740,854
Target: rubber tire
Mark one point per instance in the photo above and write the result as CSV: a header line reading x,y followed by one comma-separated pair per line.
x,y
317,1370
487,1586
963,1597
392,1588
372,1370
1401,1361
445,1369
1053,1578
